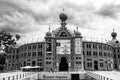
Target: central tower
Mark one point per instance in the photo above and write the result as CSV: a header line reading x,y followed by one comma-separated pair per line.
x,y
65,48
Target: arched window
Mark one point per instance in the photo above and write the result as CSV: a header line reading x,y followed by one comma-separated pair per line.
x,y
24,64
33,63
63,34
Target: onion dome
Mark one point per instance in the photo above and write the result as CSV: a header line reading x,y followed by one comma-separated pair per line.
x,y
63,17
77,33
114,41
114,34
49,34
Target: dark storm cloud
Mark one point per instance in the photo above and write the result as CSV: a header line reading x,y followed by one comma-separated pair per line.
x,y
8,7
40,17
8,11
10,29
110,10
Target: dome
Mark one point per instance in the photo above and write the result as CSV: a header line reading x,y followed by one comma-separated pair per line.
x,y
48,34
63,17
77,34
114,41
114,34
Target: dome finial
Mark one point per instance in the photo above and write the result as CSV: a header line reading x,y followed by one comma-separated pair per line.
x,y
63,9
49,27
77,28
49,33
113,29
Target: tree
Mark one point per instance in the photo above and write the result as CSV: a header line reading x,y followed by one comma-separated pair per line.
x,y
7,41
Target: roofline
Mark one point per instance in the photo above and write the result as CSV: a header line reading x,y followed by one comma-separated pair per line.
x,y
97,42
31,43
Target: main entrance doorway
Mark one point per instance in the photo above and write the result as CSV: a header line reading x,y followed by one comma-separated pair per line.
x,y
95,65
63,66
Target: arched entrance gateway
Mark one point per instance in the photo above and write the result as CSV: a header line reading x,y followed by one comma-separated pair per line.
x,y
95,65
63,65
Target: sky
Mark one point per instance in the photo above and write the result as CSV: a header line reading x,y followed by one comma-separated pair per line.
x,y
32,18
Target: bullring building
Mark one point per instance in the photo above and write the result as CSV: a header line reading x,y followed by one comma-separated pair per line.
x,y
65,50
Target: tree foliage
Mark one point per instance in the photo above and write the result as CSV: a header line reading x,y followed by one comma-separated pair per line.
x,y
7,41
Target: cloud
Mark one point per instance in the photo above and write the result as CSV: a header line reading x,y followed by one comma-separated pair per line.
x,y
18,23
20,15
29,16
28,7
18,19
78,15
109,10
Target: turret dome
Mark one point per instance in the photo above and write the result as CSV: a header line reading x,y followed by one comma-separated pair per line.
x,y
49,34
77,33
114,34
114,41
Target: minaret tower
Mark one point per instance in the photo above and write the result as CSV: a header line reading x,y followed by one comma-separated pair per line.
x,y
48,64
78,51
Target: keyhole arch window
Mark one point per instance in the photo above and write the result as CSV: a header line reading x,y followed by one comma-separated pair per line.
x,y
63,34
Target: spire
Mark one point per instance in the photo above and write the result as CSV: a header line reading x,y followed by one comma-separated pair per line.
x,y
63,9
49,33
113,29
77,28
49,27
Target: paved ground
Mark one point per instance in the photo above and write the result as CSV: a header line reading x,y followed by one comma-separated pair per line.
x,y
115,75
111,74
6,74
